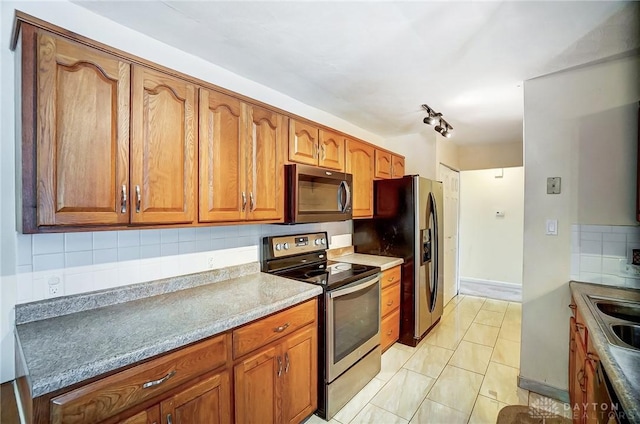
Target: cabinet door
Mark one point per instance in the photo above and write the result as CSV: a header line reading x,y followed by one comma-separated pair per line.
x,y
222,164
149,416
207,401
265,165
580,384
397,167
303,143
572,361
300,377
360,165
82,134
331,150
255,387
383,164
163,148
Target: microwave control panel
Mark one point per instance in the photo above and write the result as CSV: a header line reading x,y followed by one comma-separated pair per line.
x,y
281,246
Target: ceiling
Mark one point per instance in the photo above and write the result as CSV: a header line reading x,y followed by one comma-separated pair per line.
x,y
374,63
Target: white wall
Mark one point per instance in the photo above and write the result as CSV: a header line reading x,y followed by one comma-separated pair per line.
x,y
419,151
83,22
487,156
580,125
491,246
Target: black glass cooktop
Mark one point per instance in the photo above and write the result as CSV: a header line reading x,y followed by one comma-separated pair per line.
x,y
330,274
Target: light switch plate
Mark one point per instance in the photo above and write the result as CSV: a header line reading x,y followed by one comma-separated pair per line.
x,y
552,227
553,185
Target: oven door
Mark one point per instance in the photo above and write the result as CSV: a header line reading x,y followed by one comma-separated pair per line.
x,y
317,195
353,324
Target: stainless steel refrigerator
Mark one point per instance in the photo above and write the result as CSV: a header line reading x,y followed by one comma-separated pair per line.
x,y
407,223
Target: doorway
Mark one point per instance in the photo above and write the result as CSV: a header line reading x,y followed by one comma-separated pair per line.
x,y
451,188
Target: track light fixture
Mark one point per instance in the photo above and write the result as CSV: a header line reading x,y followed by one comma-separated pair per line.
x,y
433,117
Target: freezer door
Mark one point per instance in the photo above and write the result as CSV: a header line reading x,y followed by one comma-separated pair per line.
x,y
424,262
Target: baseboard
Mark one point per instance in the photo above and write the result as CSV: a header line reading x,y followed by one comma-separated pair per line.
x,y
489,288
543,389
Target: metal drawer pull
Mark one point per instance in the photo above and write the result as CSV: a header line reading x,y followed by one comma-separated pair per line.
x,y
389,332
123,200
572,306
286,362
158,382
252,202
389,303
281,328
279,366
390,279
244,201
169,420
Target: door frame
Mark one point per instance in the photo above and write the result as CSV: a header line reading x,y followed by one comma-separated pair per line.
x,y
457,261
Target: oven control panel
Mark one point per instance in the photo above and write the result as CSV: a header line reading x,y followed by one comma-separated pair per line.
x,y
281,246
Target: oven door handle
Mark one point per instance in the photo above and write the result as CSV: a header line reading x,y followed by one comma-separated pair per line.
x,y
357,286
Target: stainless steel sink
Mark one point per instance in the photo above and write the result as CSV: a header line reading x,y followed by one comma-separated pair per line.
x,y
618,319
626,311
627,333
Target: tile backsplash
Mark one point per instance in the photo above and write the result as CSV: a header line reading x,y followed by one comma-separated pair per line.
x,y
83,262
602,254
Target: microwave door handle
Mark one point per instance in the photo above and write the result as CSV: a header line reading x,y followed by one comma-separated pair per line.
x,y
344,187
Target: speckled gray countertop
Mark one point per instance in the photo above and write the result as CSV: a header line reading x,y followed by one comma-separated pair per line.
x,y
68,349
384,262
621,365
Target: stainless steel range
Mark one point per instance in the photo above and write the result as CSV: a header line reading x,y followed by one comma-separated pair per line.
x,y
348,316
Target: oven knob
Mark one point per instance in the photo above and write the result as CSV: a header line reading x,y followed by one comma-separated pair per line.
x,y
286,246
278,246
323,241
317,242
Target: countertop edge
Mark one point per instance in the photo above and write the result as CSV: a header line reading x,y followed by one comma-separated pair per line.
x,y
50,384
615,372
384,262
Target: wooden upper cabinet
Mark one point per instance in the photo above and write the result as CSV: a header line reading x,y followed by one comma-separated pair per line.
x,y
82,134
163,148
303,142
313,146
222,158
360,163
331,150
266,133
397,166
383,164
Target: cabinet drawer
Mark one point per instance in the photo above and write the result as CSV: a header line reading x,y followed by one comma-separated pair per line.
x,y
259,333
112,395
391,276
390,299
389,329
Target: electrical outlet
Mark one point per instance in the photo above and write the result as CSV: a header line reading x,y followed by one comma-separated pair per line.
x,y
211,262
55,285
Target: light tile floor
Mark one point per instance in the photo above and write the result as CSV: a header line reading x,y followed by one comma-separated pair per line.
x,y
464,371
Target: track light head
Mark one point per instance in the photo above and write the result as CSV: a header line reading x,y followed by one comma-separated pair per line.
x,y
430,120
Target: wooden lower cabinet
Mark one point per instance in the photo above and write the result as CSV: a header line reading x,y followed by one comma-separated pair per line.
x,y
207,401
582,365
278,384
390,307
148,416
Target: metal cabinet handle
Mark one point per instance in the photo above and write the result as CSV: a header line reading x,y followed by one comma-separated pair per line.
x,y
286,362
154,383
169,420
324,152
244,201
389,332
315,151
252,202
281,328
579,326
572,306
279,366
138,199
123,199
389,303
581,378
390,279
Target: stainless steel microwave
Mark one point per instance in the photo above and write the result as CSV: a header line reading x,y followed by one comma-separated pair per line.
x,y
317,194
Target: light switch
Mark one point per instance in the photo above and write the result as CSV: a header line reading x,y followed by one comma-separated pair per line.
x,y
499,214
552,227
